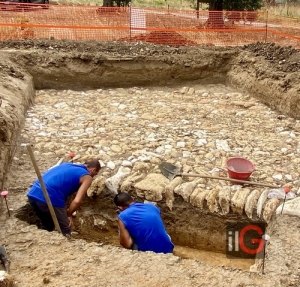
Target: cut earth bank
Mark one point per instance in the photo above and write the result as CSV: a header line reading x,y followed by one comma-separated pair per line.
x,y
265,71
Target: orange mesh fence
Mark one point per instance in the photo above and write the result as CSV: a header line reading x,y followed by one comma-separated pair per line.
x,y
161,26
62,22
284,30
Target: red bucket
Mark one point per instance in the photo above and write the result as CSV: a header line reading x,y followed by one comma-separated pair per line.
x,y
239,168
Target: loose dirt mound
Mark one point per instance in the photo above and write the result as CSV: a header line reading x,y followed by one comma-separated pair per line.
x,y
285,59
111,48
160,37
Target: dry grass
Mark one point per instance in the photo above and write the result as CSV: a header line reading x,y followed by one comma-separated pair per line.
x,y
7,32
290,10
172,4
190,30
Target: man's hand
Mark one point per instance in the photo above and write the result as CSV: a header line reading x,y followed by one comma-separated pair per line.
x,y
71,221
85,183
125,238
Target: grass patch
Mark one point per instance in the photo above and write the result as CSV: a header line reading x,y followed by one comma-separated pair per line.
x,y
286,9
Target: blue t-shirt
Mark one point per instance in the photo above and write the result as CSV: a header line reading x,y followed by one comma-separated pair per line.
x,y
145,226
60,181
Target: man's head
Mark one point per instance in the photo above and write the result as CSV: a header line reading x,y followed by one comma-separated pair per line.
x,y
123,200
93,166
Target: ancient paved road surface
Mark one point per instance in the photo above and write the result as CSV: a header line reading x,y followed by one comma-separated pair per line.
x,y
198,127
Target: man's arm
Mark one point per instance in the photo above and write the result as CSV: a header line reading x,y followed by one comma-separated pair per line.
x,y
86,182
125,238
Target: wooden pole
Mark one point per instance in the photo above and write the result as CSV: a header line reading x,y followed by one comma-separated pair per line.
x,y
283,202
264,256
228,179
53,215
7,207
265,238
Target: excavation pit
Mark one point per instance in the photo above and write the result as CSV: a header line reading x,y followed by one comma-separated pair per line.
x,y
144,104
196,234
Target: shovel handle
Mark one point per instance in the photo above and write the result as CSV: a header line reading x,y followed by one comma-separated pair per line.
x,y
228,179
44,190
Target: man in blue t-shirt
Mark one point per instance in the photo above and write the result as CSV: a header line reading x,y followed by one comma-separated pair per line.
x,y
62,181
141,226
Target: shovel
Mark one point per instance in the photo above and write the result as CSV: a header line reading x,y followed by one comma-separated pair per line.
x,y
170,171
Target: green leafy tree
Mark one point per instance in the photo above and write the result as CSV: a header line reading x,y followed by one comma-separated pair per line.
x,y
108,3
216,8
215,18
242,5
115,3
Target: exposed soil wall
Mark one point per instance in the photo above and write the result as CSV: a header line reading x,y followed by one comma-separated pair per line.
x,y
271,74
16,95
59,67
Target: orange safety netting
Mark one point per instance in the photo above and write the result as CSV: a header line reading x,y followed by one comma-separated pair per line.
x,y
160,26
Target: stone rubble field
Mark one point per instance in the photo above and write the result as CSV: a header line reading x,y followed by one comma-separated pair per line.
x,y
195,127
